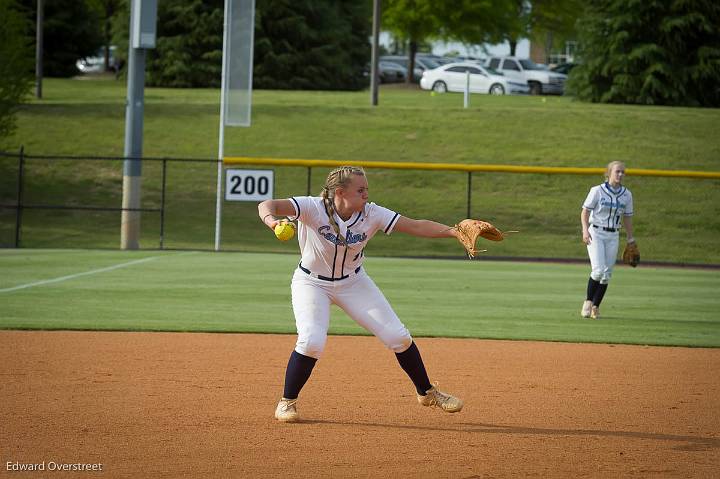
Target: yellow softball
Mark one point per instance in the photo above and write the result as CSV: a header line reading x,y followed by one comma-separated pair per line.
x,y
284,231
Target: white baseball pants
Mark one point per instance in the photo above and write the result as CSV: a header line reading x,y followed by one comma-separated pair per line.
x,y
603,251
358,296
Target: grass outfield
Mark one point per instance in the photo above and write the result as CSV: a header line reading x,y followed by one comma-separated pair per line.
x,y
676,220
245,292
86,117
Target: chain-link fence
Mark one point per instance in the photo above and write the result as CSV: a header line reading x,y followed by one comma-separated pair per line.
x,y
75,202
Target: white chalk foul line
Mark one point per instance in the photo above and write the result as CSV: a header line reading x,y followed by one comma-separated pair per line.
x,y
77,275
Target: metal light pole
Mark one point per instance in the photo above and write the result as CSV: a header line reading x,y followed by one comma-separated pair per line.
x,y
39,48
374,73
143,15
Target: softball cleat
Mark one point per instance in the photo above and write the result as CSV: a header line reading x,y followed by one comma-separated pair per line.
x,y
286,411
436,398
586,309
595,312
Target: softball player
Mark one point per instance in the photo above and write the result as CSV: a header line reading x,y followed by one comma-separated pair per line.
x,y
333,230
604,207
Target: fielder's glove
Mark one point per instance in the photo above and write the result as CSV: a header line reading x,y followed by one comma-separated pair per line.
x,y
469,230
631,254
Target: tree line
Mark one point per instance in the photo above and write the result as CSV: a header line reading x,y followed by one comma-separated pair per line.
x,y
664,52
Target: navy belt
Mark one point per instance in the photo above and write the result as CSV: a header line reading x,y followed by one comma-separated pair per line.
x,y
612,230
325,278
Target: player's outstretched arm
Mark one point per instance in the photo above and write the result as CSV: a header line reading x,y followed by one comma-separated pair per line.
x,y
269,209
424,228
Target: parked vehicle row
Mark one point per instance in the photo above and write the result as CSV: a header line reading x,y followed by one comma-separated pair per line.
x,y
422,63
497,76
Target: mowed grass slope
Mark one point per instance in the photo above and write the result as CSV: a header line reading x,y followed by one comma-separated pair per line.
x,y
676,221
243,292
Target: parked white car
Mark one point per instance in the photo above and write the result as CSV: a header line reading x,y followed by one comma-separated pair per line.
x,y
453,77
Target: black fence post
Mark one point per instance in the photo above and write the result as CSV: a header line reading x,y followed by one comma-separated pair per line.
x,y
308,181
18,210
469,193
162,204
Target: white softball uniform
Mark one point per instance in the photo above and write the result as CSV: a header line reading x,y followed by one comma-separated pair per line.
x,y
331,273
607,207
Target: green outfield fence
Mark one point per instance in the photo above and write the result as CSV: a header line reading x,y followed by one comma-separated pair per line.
x,y
43,205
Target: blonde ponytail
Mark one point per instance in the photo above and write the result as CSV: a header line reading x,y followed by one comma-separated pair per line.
x,y
338,178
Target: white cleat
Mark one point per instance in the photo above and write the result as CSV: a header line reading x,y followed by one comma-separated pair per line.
x,y
286,411
586,309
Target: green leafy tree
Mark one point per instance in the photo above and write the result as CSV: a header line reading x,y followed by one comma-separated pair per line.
x,y
16,62
552,21
312,44
188,47
189,44
106,10
413,22
475,21
71,30
468,21
545,20
649,52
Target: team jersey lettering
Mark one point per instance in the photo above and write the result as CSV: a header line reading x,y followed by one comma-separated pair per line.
x,y
325,232
352,238
604,202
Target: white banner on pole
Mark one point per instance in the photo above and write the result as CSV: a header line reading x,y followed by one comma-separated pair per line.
x,y
239,67
236,84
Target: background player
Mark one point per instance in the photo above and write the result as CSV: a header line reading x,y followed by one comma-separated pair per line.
x,y
606,204
333,230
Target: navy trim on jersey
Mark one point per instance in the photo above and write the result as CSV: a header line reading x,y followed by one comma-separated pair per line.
x,y
335,259
614,199
342,266
297,205
391,223
347,231
356,220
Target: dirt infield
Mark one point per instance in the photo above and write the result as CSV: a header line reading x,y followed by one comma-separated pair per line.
x,y
201,405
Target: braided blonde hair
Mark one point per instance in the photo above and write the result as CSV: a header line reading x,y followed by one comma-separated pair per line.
x,y
338,178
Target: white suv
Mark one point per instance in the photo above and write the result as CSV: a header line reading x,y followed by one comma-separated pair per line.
x,y
538,78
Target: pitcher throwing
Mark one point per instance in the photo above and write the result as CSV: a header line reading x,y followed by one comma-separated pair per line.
x,y
333,230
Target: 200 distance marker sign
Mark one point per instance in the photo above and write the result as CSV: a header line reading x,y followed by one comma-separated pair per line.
x,y
249,185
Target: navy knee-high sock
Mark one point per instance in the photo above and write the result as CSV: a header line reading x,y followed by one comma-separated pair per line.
x,y
591,289
412,364
599,294
297,373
